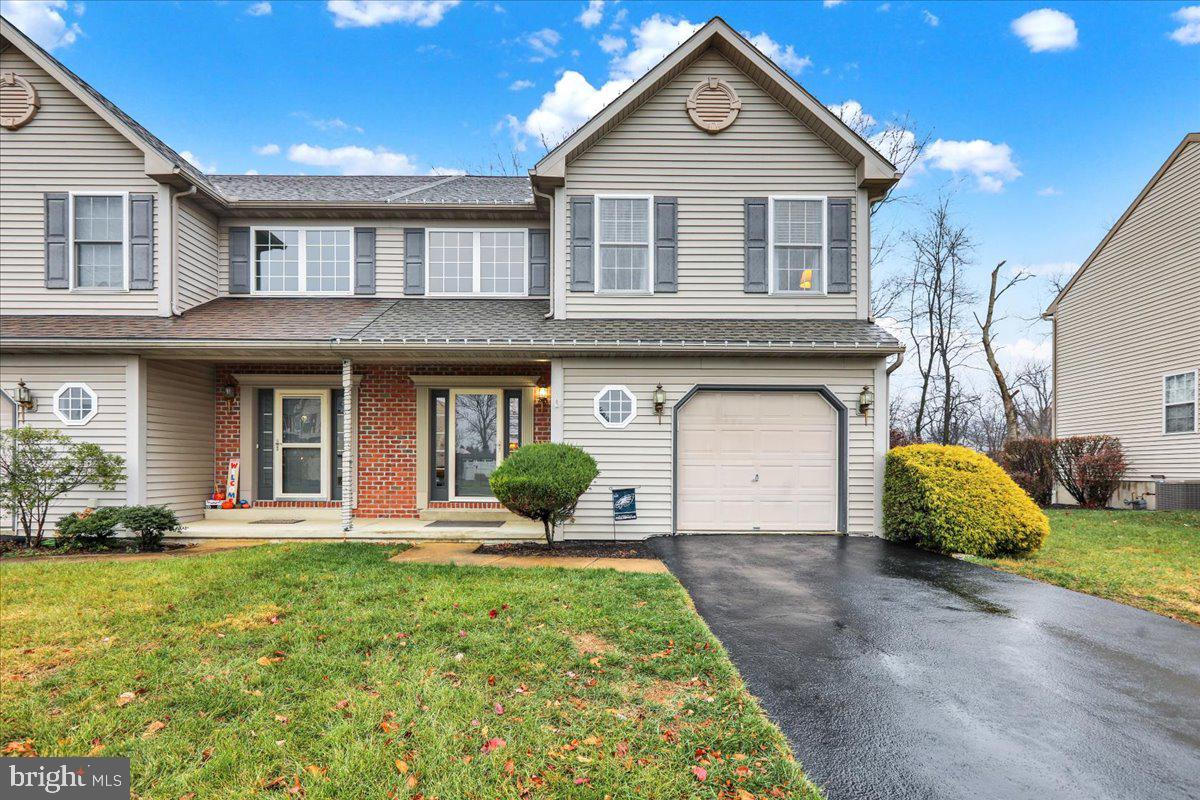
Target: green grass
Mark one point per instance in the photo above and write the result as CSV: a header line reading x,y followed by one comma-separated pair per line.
x,y
1146,559
327,666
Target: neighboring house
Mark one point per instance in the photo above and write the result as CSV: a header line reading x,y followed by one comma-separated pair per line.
x,y
1127,339
682,287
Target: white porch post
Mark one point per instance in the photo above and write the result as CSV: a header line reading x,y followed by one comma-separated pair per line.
x,y
348,430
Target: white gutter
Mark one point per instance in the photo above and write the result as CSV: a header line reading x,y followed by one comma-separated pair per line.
x,y
173,270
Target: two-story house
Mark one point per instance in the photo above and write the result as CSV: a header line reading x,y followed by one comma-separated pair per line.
x,y
682,287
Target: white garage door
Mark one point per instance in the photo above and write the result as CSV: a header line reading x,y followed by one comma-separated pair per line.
x,y
757,461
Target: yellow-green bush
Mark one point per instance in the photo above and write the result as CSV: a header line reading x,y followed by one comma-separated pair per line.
x,y
955,500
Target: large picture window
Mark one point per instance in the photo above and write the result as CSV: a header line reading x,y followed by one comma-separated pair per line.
x,y
300,260
98,232
623,244
798,245
1179,403
486,262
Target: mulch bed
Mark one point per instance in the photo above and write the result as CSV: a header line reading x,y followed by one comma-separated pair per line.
x,y
576,549
12,548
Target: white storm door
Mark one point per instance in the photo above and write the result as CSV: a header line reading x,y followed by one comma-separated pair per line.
x,y
302,442
475,444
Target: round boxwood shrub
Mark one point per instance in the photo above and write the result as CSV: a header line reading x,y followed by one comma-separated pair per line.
x,y
954,500
91,526
149,524
543,482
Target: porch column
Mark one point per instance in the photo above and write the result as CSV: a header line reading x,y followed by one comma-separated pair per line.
x,y
348,430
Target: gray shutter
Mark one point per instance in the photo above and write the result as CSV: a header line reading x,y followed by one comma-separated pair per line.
x,y
539,263
582,222
239,261
756,245
666,244
414,261
839,246
141,241
266,444
364,261
57,207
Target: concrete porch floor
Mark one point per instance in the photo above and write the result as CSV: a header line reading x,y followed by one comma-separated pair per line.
x,y
323,527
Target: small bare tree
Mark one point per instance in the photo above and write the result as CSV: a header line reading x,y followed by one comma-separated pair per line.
x,y
1006,393
1035,398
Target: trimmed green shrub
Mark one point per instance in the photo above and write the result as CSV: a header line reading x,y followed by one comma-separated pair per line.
x,y
1090,468
544,482
1030,462
150,523
954,500
91,526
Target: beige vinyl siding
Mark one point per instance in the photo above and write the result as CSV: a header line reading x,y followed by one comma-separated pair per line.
x,y
389,242
104,375
197,253
66,147
640,455
1131,318
767,151
180,400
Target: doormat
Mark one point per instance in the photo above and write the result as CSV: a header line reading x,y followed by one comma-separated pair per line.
x,y
466,523
275,521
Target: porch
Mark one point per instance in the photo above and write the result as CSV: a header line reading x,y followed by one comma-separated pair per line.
x,y
326,523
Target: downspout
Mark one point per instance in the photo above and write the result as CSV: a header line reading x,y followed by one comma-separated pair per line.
x,y
174,270
550,203
896,365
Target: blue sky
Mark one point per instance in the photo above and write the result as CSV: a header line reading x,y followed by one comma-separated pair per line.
x,y
1049,126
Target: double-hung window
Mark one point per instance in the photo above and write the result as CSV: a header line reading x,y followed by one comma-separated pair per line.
x,y
98,244
302,260
1179,402
797,244
623,244
486,262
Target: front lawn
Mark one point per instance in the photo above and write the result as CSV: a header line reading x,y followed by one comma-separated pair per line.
x,y
1146,559
323,670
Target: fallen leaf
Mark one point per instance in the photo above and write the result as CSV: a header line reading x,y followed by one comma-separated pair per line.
x,y
499,709
280,718
153,728
622,749
313,769
492,744
401,766
125,698
96,750
411,781
510,767
188,796
206,754
20,747
264,662
493,613
700,772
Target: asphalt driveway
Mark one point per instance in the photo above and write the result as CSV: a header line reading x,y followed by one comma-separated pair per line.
x,y
896,673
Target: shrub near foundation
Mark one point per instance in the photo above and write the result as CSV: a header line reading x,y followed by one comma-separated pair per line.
x,y
954,500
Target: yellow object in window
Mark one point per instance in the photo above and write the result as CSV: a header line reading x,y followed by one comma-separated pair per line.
x,y
806,279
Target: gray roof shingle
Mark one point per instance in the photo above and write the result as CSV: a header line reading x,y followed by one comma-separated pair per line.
x,y
394,189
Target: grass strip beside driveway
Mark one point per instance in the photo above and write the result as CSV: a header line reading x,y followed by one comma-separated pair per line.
x,y
325,671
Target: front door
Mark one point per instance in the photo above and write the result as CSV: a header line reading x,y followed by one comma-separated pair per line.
x,y
474,441
302,444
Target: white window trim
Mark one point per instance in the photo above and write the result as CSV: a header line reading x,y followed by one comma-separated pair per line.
x,y
824,246
477,263
605,390
452,441
75,422
1195,373
597,244
326,445
303,260
72,267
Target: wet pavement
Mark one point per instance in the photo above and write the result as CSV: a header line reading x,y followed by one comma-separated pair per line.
x,y
898,674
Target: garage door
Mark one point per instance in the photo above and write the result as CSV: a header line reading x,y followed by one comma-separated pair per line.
x,y
757,461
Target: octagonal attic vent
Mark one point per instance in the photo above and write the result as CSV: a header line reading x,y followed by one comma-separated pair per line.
x,y
18,101
713,105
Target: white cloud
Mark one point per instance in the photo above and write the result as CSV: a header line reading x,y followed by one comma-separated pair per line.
x,y
619,18
783,56
563,109
543,43
370,13
931,19
1046,30
195,161
329,124
653,40
832,3
259,9
1026,350
991,164
1049,191
41,21
354,160
1188,31
250,172
884,7
591,16
446,171
517,86
270,149
612,44
851,112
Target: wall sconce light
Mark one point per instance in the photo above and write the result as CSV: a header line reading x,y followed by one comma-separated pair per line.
x,y
229,391
541,393
866,398
25,397
660,401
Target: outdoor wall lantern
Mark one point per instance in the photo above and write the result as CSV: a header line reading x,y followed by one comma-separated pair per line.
x,y
229,390
24,397
866,398
541,393
660,401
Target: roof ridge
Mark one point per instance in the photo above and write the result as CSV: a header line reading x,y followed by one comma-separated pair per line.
x,y
421,188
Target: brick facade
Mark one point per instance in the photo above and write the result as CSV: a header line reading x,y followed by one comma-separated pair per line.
x,y
387,429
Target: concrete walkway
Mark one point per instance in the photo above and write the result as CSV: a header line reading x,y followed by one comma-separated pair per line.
x,y
461,554
313,526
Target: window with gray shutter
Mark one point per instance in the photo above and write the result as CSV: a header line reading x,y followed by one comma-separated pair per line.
x,y
756,246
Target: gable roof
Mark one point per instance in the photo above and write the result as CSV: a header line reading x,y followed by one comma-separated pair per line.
x,y
875,172
1191,138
